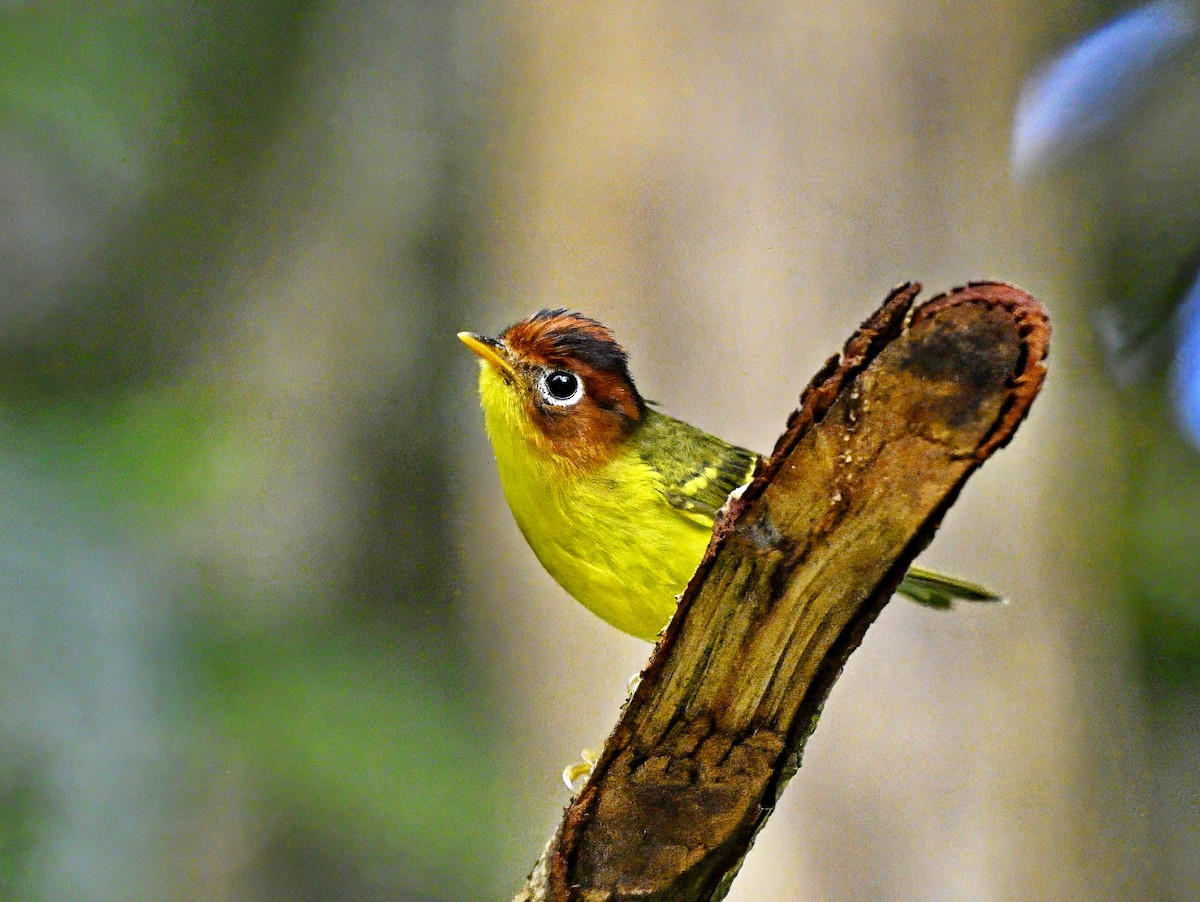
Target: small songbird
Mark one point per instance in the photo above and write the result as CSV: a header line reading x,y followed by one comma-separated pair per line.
x,y
615,498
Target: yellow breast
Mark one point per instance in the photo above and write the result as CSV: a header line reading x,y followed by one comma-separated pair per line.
x,y
607,535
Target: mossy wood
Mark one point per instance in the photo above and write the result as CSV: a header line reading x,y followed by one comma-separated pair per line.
x,y
884,438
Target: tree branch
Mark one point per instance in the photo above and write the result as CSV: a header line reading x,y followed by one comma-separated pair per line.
x,y
884,438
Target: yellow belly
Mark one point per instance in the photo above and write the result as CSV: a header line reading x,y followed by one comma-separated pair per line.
x,y
608,537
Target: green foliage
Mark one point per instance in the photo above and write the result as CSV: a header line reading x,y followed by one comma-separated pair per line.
x,y
362,741
140,135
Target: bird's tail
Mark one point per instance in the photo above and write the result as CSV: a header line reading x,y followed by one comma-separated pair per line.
x,y
938,590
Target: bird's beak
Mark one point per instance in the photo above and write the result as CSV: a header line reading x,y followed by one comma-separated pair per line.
x,y
489,349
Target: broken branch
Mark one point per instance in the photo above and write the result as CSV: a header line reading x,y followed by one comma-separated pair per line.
x,y
799,567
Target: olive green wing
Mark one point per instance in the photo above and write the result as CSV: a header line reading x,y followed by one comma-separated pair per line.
x,y
698,470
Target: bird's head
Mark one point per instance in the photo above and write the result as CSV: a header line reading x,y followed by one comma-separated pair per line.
x,y
560,382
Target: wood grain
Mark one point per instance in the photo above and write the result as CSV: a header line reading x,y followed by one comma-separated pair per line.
x,y
799,567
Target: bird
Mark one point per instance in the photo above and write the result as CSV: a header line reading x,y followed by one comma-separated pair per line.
x,y
616,499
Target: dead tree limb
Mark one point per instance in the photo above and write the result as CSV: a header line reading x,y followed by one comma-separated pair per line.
x,y
799,567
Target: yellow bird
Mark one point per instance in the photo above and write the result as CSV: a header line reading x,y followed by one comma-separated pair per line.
x,y
615,498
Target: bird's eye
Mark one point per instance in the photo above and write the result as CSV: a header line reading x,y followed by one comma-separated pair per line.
x,y
561,388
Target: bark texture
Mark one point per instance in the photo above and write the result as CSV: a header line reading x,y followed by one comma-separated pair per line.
x,y
799,567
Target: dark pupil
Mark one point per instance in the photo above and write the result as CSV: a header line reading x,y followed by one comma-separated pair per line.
x,y
561,385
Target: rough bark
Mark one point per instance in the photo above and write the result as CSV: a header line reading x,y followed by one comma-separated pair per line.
x,y
799,567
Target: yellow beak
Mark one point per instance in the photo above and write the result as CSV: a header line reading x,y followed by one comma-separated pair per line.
x,y
489,349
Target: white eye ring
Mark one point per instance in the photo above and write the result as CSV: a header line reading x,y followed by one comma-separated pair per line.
x,y
562,388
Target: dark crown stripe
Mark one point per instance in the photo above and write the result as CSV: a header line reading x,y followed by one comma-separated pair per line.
x,y
597,351
586,340
572,338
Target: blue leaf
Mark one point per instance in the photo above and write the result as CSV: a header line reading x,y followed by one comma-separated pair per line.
x,y
1186,368
1079,95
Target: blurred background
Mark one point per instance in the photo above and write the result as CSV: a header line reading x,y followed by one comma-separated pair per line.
x,y
268,630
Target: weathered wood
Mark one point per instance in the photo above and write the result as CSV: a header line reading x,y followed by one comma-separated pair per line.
x,y
799,567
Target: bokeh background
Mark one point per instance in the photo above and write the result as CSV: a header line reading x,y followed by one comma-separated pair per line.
x,y
267,630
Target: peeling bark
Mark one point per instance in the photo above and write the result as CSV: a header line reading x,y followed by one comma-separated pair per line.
x,y
799,567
